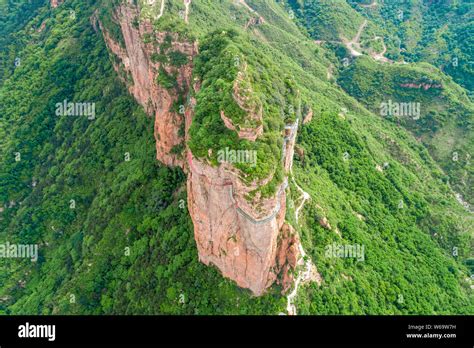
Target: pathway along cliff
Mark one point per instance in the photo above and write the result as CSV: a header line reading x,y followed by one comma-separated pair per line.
x,y
305,268
307,273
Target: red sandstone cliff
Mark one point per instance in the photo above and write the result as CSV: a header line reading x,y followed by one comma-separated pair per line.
x,y
245,240
136,59
229,233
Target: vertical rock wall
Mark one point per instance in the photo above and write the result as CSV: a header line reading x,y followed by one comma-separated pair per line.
x,y
136,59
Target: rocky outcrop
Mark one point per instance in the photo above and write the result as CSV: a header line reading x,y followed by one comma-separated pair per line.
x,y
243,95
288,256
255,21
246,239
300,153
56,3
250,134
243,238
160,101
289,141
308,117
324,222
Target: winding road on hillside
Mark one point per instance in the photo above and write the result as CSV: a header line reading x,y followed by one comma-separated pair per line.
x,y
381,56
355,41
354,46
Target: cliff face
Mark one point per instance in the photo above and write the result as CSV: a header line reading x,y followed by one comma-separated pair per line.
x,y
229,233
242,239
157,100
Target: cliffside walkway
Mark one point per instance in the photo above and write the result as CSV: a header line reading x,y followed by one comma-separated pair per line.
x,y
283,187
275,212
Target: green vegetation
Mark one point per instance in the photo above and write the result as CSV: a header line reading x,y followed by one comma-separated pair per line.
x,y
15,16
127,246
439,33
268,93
328,19
401,245
166,79
178,59
445,119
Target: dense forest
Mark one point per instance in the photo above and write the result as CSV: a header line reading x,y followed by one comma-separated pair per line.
x,y
112,223
437,32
